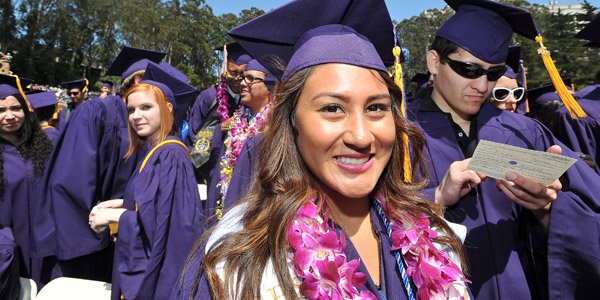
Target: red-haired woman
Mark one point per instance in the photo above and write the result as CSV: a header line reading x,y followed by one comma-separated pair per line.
x,y
159,216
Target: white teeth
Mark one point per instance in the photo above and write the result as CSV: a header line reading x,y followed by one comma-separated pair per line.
x,y
353,161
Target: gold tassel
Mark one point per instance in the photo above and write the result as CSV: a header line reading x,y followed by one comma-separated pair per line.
x,y
405,145
22,92
86,85
223,72
574,109
524,75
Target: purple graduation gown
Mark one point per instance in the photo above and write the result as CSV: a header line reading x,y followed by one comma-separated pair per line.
x,y
505,248
9,269
52,134
583,134
153,243
245,169
588,91
21,196
391,280
85,168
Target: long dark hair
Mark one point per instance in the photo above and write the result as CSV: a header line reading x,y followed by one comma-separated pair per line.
x,y
32,143
284,184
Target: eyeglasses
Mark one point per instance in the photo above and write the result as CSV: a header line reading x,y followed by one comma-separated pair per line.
x,y
249,79
473,71
74,93
502,94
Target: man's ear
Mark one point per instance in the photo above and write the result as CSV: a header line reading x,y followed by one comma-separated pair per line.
x,y
433,62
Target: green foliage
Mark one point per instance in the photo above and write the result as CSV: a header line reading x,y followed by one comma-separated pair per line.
x,y
59,40
557,29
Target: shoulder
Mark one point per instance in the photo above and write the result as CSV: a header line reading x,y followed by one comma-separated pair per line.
x,y
493,116
208,94
231,223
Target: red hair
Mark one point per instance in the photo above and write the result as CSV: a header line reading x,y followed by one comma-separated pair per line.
x,y
166,117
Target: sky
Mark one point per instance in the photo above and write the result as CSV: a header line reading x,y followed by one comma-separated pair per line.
x,y
399,9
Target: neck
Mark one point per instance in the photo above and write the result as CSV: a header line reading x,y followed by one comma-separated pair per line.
x,y
463,120
350,214
11,138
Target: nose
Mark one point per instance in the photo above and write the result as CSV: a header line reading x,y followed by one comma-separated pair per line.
x,y
358,134
480,84
511,99
136,114
243,83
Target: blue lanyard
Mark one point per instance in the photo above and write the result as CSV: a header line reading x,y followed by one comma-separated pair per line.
x,y
399,260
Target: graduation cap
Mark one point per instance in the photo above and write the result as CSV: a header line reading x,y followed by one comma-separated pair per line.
x,y
39,98
512,62
305,33
107,83
131,60
546,92
26,83
269,81
591,32
178,92
11,85
80,84
484,28
421,79
235,53
173,71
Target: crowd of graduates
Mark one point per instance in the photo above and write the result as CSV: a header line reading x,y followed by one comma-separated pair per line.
x,y
324,177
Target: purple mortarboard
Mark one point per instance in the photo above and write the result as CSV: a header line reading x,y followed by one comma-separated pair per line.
x,y
484,27
26,83
173,71
591,32
305,33
236,54
39,98
512,61
421,79
269,81
11,85
108,84
178,92
80,84
546,92
131,60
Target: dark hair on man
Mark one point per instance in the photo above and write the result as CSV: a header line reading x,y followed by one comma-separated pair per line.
x,y
443,46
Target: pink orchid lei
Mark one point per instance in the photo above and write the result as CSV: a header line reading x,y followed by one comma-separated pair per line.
x,y
239,131
319,258
223,108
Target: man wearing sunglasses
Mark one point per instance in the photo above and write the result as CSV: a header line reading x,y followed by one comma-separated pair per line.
x,y
76,90
511,245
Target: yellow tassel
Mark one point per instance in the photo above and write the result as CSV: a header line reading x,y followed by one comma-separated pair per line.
x,y
574,109
524,71
86,85
398,80
21,91
223,72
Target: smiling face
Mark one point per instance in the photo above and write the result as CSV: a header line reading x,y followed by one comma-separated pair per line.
x,y
460,96
144,114
12,115
234,76
346,129
254,94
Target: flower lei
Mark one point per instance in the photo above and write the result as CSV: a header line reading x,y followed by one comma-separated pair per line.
x,y
319,258
239,132
223,108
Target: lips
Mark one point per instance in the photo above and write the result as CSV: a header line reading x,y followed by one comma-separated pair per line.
x,y
354,163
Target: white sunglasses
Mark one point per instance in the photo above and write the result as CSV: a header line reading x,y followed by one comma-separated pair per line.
x,y
501,94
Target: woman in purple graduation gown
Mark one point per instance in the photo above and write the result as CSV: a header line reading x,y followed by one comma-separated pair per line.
x,y
331,176
24,150
160,216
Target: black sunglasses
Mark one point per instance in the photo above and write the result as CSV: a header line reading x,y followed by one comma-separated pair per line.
x,y
74,93
473,71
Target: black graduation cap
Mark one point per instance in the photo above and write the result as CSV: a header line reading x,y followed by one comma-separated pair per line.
x,y
591,32
107,83
513,61
235,53
80,84
131,60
